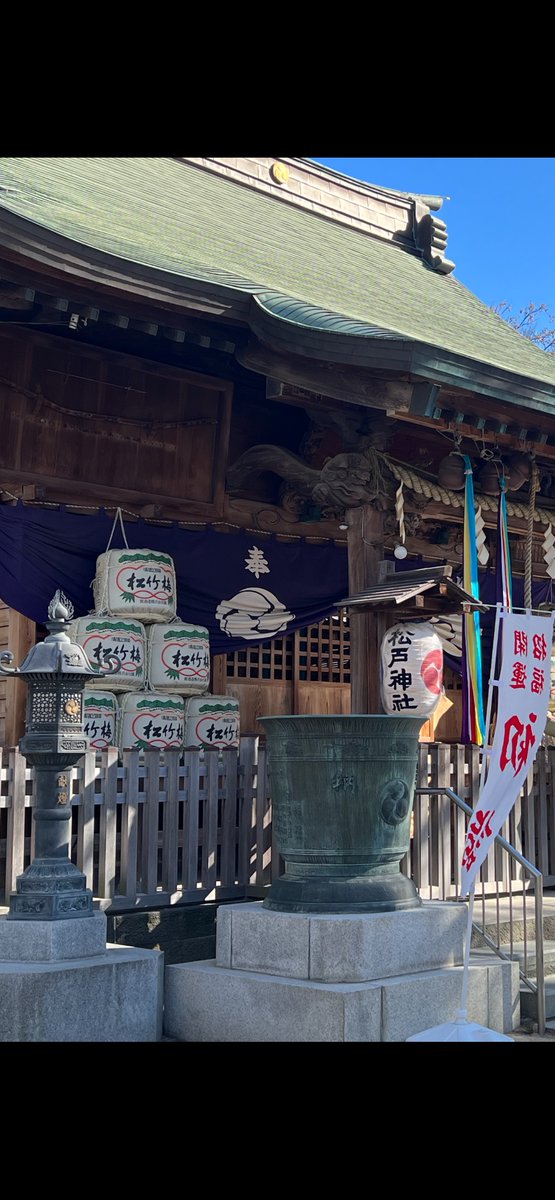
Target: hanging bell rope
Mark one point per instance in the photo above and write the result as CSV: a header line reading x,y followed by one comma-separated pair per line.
x,y
534,479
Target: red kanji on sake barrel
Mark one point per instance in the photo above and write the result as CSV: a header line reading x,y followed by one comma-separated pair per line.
x,y
178,658
136,583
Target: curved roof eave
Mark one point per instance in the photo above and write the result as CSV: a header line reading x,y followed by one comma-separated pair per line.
x,y
174,224
279,320
295,327
60,258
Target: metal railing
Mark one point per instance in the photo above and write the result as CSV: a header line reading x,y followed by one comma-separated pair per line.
x,y
498,917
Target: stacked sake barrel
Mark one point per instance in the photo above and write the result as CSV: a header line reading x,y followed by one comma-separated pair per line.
x,y
100,711
212,721
164,662
103,638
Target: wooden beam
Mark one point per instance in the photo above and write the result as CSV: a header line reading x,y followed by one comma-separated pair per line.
x,y
116,494
218,680
22,635
15,297
351,384
57,303
148,327
512,441
365,552
173,335
197,339
436,511
119,320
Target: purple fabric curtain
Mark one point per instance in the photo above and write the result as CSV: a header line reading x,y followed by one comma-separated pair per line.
x,y
243,587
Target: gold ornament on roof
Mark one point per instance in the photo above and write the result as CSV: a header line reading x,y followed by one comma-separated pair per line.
x,y
279,172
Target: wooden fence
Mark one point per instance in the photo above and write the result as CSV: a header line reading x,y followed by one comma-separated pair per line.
x,y
149,829
152,829
439,827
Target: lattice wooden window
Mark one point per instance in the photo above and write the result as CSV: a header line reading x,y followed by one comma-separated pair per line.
x,y
324,652
321,653
267,660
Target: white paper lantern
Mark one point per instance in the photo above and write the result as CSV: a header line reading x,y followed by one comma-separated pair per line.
x,y
149,721
411,669
100,713
212,721
178,658
102,637
135,583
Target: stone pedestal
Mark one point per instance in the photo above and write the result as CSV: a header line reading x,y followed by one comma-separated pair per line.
x,y
61,982
304,977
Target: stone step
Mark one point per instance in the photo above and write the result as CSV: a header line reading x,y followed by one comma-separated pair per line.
x,y
529,1003
527,951
520,929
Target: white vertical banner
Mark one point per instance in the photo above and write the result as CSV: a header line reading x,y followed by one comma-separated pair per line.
x,y
522,703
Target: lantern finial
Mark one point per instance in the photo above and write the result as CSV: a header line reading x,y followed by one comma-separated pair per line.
x,y
60,608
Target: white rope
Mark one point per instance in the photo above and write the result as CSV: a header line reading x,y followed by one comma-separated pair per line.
x,y
117,517
400,512
433,491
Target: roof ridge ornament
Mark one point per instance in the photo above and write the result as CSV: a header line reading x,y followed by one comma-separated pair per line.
x,y
430,235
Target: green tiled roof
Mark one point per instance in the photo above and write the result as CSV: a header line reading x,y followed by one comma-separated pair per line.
x,y
170,215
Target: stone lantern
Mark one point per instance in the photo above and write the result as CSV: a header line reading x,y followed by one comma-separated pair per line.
x,y
56,672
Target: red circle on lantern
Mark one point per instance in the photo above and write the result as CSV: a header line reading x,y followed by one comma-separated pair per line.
x,y
432,671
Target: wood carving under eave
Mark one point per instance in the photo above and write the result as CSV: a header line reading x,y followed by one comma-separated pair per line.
x,y
351,384
269,519
345,481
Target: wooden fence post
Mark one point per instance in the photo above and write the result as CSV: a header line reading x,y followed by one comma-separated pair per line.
x,y
15,838
108,825
129,824
85,826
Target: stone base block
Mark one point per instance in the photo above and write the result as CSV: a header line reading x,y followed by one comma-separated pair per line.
x,y
208,1003
116,996
52,941
332,948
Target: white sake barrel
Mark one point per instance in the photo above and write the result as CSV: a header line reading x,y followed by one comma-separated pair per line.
x,y
411,669
150,721
102,637
100,712
135,583
178,658
212,721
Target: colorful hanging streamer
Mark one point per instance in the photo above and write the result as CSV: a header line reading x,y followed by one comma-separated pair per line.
x,y
473,723
503,576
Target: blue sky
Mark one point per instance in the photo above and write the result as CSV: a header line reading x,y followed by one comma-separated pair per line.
x,y
500,218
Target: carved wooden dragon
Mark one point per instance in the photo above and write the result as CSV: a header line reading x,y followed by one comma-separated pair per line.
x,y
346,481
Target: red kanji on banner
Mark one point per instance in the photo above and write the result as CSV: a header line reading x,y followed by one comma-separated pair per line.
x,y
519,749
540,646
538,681
521,642
519,675
476,830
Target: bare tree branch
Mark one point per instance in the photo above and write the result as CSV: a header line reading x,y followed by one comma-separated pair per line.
x,y
531,323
